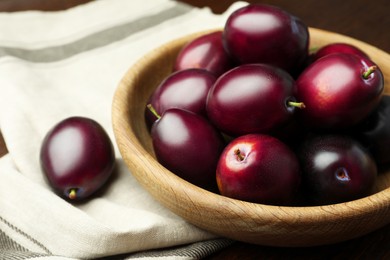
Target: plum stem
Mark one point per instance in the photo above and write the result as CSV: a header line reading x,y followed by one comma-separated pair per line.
x,y
313,49
239,154
300,105
153,110
369,71
72,194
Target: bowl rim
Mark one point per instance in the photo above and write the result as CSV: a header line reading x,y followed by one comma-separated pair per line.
x,y
142,165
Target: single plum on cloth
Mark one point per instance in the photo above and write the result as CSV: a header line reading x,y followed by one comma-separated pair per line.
x,y
55,65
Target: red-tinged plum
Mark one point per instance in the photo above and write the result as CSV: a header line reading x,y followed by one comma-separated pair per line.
x,y
188,145
205,52
77,157
185,89
259,168
374,132
338,91
259,33
252,98
339,47
336,169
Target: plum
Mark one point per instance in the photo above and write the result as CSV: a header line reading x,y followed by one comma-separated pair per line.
x,y
259,168
187,145
338,91
335,169
251,98
205,52
259,33
77,157
185,89
374,132
339,47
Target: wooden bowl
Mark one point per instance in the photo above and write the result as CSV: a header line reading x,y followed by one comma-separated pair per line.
x,y
243,221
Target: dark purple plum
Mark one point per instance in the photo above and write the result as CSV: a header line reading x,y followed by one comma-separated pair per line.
x,y
338,91
374,132
188,145
336,169
77,157
339,47
252,98
184,89
259,168
259,33
205,52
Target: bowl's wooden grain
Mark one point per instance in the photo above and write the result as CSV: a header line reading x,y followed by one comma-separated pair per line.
x,y
248,222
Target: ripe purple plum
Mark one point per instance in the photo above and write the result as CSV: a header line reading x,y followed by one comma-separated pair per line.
x,y
259,33
77,157
374,132
338,91
339,47
251,98
259,168
205,52
187,145
336,169
184,89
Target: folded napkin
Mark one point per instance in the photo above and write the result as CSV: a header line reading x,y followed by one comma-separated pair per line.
x,y
54,65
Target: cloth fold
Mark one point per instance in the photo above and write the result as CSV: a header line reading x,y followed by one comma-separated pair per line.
x,y
54,65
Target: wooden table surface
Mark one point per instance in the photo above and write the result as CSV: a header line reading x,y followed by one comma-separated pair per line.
x,y
367,21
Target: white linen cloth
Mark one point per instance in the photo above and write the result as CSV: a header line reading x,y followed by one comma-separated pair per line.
x,y
54,65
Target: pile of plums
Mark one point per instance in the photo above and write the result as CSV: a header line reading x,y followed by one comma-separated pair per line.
x,y
250,113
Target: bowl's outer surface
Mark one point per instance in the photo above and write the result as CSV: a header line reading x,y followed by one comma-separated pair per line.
x,y
243,221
